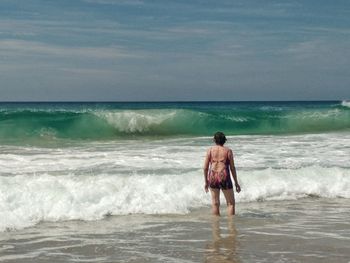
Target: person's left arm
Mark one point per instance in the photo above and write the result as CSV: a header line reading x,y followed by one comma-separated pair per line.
x,y
233,171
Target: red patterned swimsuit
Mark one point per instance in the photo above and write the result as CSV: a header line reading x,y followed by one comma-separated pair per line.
x,y
220,179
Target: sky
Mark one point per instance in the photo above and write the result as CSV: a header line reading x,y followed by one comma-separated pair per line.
x,y
135,50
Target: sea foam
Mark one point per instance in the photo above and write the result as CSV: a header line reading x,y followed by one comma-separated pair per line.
x,y
27,200
129,121
345,103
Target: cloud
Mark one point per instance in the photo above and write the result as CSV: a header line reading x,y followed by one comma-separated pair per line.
x,y
115,2
320,51
306,48
328,30
33,48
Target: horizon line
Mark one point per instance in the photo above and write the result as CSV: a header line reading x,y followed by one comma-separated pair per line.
x,y
162,101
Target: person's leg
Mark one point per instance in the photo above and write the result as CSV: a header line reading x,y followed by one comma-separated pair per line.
x,y
215,201
230,201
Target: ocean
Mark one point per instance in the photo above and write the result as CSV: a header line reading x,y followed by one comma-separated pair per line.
x,y
123,182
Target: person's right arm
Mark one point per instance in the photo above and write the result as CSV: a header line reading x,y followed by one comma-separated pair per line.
x,y
205,170
233,172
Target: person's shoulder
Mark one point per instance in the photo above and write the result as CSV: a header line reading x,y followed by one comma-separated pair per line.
x,y
229,150
209,149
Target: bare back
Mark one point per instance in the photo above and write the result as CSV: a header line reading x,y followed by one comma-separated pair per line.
x,y
219,158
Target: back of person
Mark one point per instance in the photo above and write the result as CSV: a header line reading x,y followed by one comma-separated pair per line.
x,y
219,159
219,173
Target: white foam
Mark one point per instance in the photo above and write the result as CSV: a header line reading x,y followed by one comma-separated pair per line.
x,y
26,200
162,176
136,120
345,103
284,184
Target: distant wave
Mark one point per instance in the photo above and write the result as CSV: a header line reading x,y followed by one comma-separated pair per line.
x,y
29,199
97,124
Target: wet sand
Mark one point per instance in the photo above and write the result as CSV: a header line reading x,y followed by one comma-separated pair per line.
x,y
304,230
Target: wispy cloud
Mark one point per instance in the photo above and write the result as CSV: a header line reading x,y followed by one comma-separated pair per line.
x,y
328,51
115,2
32,48
306,48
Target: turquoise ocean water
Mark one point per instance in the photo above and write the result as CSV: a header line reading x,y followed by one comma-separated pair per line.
x,y
23,122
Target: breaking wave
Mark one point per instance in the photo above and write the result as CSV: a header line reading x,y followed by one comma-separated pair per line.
x,y
104,124
26,200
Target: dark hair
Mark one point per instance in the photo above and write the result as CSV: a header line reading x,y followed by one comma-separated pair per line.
x,y
220,138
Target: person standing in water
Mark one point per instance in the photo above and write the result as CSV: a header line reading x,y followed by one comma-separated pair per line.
x,y
217,166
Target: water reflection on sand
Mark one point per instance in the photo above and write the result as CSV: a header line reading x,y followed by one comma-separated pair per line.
x,y
223,246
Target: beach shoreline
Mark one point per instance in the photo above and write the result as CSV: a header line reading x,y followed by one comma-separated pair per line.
x,y
304,230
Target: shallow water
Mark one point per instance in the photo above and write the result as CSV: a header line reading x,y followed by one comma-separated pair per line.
x,y
305,230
